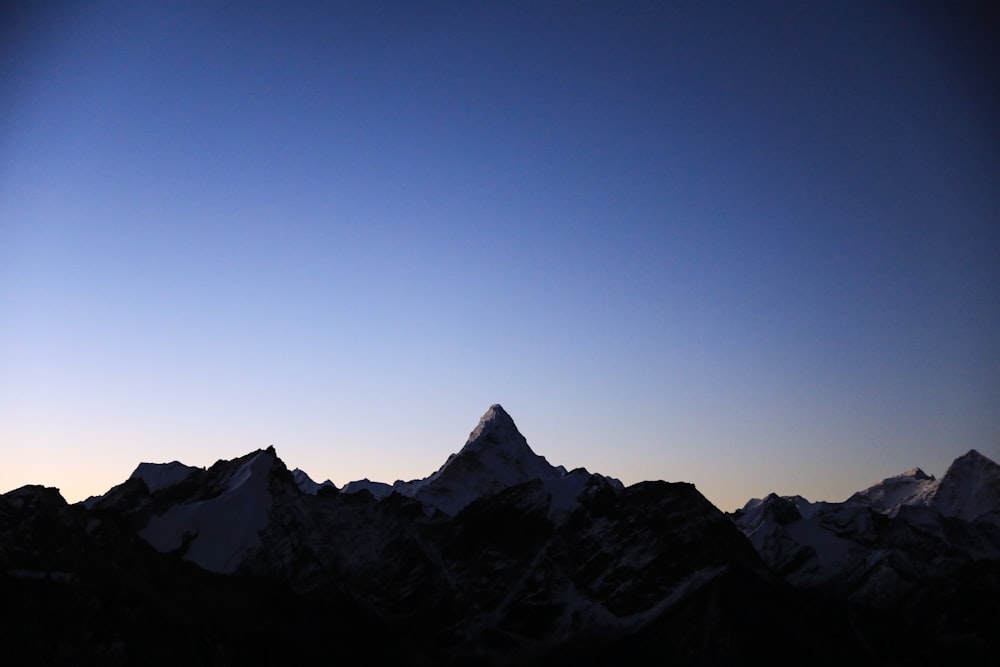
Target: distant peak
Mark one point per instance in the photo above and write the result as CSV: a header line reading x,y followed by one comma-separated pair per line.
x,y
973,456
495,457
495,425
496,411
917,473
972,460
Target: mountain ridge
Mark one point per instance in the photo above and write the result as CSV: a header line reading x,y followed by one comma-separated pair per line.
x,y
499,557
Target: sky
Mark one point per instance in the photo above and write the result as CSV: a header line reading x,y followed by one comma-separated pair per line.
x,y
753,246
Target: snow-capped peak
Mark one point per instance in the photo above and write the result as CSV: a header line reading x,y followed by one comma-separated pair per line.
x,y
377,489
159,476
913,487
970,489
217,532
495,426
495,456
972,459
916,473
306,483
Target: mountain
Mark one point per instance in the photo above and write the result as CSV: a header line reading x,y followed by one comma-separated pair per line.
x,y
912,546
158,476
218,521
306,483
378,490
496,558
78,587
913,487
495,457
970,489
877,540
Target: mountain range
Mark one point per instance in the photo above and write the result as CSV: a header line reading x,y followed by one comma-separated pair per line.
x,y
498,557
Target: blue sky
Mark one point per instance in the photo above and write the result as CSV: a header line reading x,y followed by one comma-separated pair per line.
x,y
752,246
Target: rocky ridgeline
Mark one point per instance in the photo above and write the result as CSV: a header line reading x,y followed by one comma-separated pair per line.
x,y
498,557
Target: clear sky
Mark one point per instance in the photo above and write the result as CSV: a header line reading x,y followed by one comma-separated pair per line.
x,y
749,245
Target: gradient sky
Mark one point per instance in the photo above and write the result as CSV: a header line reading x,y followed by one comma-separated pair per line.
x,y
754,246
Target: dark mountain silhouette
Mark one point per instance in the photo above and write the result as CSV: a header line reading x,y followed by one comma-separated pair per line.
x,y
496,558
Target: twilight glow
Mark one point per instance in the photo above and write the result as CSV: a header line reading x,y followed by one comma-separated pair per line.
x,y
753,246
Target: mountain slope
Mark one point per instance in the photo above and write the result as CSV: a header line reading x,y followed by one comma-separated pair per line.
x,y
496,456
78,588
911,547
970,489
913,487
498,558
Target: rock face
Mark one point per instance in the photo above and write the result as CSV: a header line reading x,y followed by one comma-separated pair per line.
x,y
496,558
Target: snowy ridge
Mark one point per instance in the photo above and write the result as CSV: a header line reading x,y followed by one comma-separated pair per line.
x,y
564,491
218,532
158,476
874,544
970,489
378,489
496,456
913,487
501,558
306,483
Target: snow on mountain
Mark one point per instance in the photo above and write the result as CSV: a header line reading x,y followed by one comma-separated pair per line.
x,y
216,523
378,489
876,543
525,561
159,476
564,491
306,483
217,532
496,456
913,487
970,489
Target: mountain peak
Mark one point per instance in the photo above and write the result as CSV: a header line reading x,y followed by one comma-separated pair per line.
x,y
972,462
496,410
496,456
970,489
495,426
913,487
973,457
917,473
159,476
